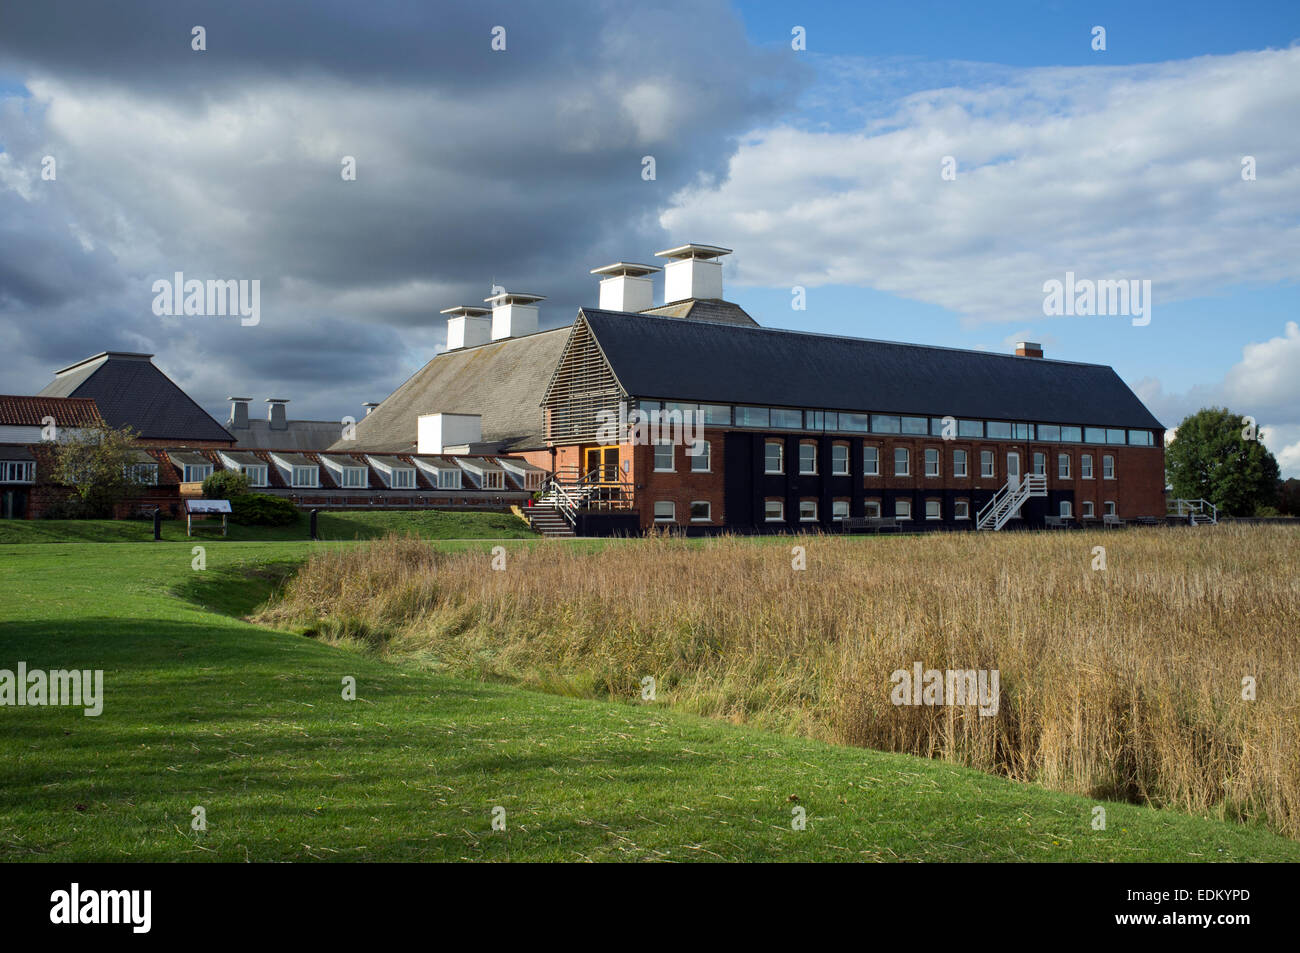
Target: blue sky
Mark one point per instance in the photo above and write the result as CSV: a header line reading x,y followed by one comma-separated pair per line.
x,y
821,168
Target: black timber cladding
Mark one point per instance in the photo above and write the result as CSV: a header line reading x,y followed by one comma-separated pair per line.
x,y
671,359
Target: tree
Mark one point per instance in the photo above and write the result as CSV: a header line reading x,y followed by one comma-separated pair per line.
x,y
1289,497
225,485
1217,457
96,462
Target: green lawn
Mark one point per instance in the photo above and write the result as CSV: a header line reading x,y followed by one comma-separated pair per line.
x,y
204,710
363,524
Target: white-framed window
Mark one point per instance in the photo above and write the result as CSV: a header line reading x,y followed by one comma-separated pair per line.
x,y
902,461
933,510
774,457
700,454
931,462
494,480
903,509
1085,508
24,471
774,511
807,511
986,463
839,459
663,458
1040,464
873,509
255,474
404,479
961,510
871,461
533,479
196,473
1085,466
1063,466
665,511
449,479
305,476
959,463
1067,510
1110,508
700,511
1108,467
142,474
839,509
354,477
807,458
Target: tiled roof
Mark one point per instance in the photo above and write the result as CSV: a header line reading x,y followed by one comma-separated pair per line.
x,y
502,381
666,358
30,411
704,309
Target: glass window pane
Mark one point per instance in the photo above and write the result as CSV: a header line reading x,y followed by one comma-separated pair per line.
x,y
999,430
751,417
717,414
1072,434
788,419
1049,432
1094,435
916,425
1115,436
881,423
970,428
853,422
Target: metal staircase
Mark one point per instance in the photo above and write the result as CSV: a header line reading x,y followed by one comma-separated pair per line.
x,y
1007,501
1196,512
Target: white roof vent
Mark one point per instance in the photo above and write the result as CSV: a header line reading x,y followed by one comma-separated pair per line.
x,y
513,315
467,327
693,271
626,286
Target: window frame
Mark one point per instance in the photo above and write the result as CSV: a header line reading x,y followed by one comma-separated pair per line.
x,y
839,455
960,465
938,462
938,509
988,465
808,519
1085,466
906,459
672,511
780,458
708,511
874,468
1108,466
808,451
902,501
780,511
706,456
672,457
1063,465
961,509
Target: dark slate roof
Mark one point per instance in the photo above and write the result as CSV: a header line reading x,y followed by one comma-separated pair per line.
x,y
704,309
130,390
697,361
502,381
298,435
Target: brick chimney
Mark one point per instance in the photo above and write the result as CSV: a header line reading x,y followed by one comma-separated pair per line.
x,y
1029,349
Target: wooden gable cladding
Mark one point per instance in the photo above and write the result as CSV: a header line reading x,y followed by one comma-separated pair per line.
x,y
583,385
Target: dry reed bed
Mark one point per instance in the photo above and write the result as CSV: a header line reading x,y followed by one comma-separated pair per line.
x,y
1123,683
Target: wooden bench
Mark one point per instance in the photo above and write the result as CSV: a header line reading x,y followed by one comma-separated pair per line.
x,y
1111,519
1058,522
873,523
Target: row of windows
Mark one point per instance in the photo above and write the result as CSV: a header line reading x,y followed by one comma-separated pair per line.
x,y
774,462
666,511
308,477
725,415
774,509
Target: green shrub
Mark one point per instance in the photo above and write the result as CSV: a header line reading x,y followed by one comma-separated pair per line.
x,y
262,509
70,509
225,485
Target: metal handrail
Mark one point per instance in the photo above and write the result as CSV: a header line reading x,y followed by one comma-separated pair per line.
x,y
1008,499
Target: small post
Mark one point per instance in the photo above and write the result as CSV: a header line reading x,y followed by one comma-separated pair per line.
x,y
157,523
313,525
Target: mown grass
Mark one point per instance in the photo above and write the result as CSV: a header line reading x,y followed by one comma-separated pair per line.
x,y
371,524
203,709
1124,682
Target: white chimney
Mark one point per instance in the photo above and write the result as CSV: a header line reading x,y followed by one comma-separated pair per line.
x,y
238,413
370,406
467,327
693,271
513,315
434,432
626,286
275,413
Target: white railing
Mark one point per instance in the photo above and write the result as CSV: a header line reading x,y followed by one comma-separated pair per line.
x,y
1007,501
1196,512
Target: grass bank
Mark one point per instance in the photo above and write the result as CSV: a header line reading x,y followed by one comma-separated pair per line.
x,y
1124,682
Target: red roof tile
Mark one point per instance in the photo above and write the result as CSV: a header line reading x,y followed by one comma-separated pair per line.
x,y
30,411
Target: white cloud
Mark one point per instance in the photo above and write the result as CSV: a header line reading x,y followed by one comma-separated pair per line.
x,y
1111,172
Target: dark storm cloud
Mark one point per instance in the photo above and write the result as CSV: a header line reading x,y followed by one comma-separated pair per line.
x,y
520,168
